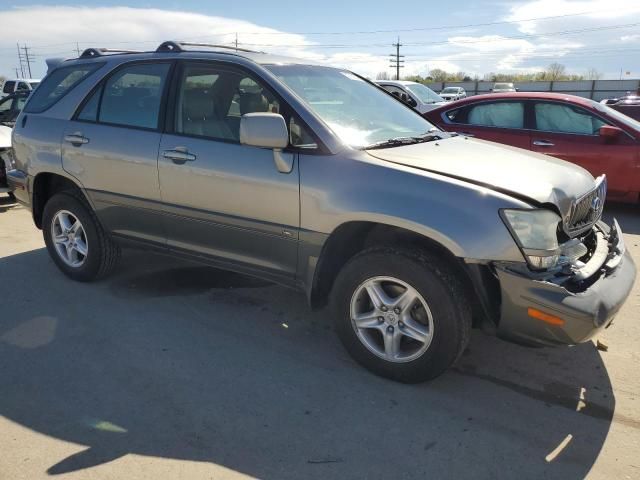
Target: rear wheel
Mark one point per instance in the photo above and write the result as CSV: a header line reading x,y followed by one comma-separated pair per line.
x,y
75,239
401,314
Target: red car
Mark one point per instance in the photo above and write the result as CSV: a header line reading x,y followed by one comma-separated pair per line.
x,y
575,129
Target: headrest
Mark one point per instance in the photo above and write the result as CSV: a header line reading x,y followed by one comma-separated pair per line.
x,y
197,104
253,102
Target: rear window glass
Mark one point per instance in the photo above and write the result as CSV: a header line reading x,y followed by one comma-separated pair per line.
x,y
57,85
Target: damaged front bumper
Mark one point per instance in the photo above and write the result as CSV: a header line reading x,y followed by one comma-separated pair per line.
x,y
567,308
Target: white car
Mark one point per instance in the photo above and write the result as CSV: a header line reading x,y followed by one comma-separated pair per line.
x,y
420,97
13,85
453,93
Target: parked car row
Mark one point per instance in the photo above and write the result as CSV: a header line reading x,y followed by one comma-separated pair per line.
x,y
316,178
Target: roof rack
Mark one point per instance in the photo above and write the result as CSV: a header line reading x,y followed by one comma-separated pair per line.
x,y
172,46
97,52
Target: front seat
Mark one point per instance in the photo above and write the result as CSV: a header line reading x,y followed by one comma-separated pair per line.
x,y
199,116
253,102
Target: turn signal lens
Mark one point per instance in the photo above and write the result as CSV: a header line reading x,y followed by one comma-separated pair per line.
x,y
544,317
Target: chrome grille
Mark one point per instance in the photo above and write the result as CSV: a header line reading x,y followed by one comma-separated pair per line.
x,y
587,210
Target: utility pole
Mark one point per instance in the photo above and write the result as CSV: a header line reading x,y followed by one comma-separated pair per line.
x,y
236,41
27,59
397,62
16,69
78,49
20,61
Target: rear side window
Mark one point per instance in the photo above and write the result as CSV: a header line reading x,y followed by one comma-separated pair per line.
x,y
9,86
57,84
500,114
132,96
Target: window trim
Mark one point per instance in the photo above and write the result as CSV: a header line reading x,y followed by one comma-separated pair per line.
x,y
100,86
98,65
285,109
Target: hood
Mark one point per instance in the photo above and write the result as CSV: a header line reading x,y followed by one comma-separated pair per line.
x,y
535,177
5,137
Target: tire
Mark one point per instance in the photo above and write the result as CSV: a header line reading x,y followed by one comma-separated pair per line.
x,y
446,317
102,252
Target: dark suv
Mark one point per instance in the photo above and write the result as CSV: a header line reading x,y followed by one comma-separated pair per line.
x,y
315,178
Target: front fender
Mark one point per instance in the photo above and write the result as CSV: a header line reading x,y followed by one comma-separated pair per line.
x,y
462,217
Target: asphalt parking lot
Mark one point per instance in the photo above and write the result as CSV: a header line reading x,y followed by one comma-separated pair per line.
x,y
174,370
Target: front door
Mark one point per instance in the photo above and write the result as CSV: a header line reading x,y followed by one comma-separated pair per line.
x,y
572,133
111,147
225,200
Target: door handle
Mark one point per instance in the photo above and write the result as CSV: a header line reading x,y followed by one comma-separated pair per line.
x,y
76,139
179,155
543,143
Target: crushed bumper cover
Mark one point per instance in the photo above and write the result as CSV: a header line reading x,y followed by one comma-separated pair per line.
x,y
584,312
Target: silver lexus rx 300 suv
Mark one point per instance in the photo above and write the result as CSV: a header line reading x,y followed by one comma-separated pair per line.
x,y
315,178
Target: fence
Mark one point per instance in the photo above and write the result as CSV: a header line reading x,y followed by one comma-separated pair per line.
x,y
594,89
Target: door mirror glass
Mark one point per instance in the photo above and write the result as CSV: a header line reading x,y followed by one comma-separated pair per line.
x,y
266,130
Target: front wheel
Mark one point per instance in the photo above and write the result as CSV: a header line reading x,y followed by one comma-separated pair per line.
x,y
401,314
75,239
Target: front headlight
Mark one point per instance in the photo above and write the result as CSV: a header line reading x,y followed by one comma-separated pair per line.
x,y
536,233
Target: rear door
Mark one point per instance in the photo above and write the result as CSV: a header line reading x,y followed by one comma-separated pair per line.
x,y
572,133
500,121
111,147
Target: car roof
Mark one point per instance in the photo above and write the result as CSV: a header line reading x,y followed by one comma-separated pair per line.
x,y
521,95
396,82
181,50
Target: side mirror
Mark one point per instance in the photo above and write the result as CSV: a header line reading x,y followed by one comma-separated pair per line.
x,y
609,132
267,130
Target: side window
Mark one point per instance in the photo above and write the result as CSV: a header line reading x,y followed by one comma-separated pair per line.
x,y
455,116
212,100
9,86
57,84
555,117
19,104
498,114
90,109
393,90
23,86
132,96
5,105
299,136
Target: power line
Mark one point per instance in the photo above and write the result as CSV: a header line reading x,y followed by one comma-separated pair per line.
x,y
356,32
397,63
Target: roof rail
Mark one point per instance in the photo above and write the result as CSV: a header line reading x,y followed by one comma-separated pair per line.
x,y
97,52
171,46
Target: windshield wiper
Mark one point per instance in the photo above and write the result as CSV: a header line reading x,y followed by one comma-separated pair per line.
x,y
400,141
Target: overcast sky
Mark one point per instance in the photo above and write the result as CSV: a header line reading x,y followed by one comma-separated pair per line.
x,y
467,35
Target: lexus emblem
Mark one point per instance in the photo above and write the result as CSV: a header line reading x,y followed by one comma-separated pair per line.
x,y
596,203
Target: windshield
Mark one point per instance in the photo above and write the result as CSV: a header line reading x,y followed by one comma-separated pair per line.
x,y
621,117
424,93
449,90
358,112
